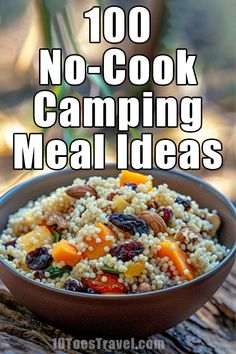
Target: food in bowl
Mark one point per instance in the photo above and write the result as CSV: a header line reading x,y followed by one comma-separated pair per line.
x,y
113,236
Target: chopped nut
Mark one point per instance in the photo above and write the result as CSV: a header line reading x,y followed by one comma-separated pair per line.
x,y
79,191
151,204
155,221
57,220
214,219
182,235
107,210
187,236
144,287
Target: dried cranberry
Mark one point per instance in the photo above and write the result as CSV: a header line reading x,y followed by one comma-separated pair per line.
x,y
127,251
185,202
129,223
132,185
165,213
38,259
39,274
10,243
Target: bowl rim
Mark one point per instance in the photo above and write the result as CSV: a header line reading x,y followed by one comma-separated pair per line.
x,y
213,271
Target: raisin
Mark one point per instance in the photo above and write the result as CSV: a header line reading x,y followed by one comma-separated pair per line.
x,y
76,285
185,202
10,258
39,274
179,200
129,223
165,213
10,243
132,185
127,251
38,259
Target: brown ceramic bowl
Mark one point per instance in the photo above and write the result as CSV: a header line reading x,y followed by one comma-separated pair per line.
x,y
117,316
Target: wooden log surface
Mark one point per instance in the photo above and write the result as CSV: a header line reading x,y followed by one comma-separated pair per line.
x,y
211,330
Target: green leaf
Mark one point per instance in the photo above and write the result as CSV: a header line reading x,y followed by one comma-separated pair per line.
x,y
56,272
100,3
59,35
135,134
105,89
68,136
56,236
110,270
45,19
56,5
61,90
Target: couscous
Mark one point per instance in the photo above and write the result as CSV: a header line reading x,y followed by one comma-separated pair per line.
x,y
116,235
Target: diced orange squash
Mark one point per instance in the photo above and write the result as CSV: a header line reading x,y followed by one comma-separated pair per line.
x,y
65,251
99,248
134,177
36,238
119,204
135,269
178,257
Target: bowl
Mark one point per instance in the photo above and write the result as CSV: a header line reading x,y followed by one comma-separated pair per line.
x,y
119,316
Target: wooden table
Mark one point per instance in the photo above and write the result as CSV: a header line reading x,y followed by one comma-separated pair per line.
x,y
210,330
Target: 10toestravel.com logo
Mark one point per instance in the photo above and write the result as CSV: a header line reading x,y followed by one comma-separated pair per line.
x,y
63,343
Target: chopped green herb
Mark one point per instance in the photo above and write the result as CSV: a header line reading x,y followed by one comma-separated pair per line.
x,y
56,236
110,270
56,272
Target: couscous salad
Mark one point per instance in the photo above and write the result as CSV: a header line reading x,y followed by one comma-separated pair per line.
x,y
113,236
